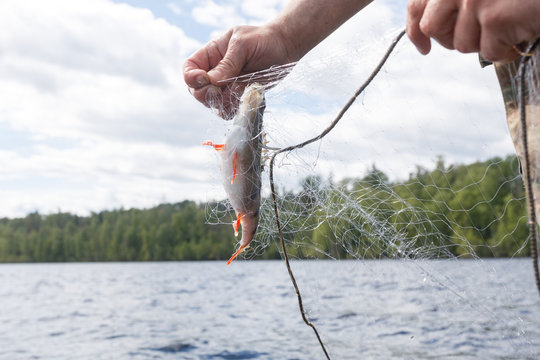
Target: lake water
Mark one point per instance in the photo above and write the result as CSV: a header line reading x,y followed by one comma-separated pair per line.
x,y
452,309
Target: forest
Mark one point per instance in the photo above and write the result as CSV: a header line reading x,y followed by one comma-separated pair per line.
x,y
459,210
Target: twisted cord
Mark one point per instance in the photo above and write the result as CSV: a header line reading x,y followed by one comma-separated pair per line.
x,y
527,166
301,145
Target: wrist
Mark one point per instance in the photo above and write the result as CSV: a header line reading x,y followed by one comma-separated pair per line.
x,y
283,34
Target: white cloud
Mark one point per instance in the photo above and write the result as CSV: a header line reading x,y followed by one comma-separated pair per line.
x,y
96,90
262,11
224,14
216,15
97,59
176,9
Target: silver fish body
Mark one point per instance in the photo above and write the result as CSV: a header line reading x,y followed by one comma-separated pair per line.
x,y
241,165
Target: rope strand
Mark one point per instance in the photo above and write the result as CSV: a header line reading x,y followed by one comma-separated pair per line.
x,y
301,145
527,166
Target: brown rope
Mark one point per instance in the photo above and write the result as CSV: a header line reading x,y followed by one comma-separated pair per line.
x,y
301,145
527,166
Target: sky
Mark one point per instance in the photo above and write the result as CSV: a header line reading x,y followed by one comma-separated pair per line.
x,y
94,113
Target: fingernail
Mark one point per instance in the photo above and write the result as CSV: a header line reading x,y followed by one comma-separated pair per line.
x,y
202,80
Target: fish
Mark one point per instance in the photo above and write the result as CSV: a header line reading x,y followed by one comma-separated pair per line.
x,y
241,166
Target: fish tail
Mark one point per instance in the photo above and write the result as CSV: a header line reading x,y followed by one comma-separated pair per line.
x,y
238,252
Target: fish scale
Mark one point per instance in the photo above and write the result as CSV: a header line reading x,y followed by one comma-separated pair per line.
x,y
241,166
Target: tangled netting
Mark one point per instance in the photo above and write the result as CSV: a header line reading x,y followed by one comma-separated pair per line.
x,y
470,208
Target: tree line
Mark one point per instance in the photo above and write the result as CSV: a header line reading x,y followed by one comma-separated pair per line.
x,y
457,210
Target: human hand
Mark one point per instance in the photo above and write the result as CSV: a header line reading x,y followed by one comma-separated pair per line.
x,y
241,50
494,28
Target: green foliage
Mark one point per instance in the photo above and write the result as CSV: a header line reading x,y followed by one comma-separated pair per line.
x,y
479,209
167,232
476,209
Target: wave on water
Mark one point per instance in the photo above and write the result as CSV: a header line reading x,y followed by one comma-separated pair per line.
x,y
175,347
183,347
245,354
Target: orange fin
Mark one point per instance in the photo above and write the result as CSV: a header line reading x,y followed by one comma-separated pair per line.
x,y
218,147
236,225
234,166
238,252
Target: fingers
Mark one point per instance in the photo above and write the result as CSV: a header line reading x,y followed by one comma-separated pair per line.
x,y
503,28
231,65
196,75
223,100
494,49
414,15
203,60
439,20
217,61
207,95
195,78
491,27
467,30
236,52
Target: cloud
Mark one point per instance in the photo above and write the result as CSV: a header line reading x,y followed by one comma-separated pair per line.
x,y
222,15
175,8
95,91
91,61
216,15
262,11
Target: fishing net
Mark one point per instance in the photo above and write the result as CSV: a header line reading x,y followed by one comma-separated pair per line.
x,y
416,170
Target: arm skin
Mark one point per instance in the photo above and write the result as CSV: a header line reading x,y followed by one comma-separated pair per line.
x,y
490,27
304,24
297,29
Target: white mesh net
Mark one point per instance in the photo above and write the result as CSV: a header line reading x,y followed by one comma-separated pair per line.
x,y
416,170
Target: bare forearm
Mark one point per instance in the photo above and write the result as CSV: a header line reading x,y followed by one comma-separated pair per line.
x,y
305,23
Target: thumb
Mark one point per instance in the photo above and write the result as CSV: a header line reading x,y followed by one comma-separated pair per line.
x,y
230,66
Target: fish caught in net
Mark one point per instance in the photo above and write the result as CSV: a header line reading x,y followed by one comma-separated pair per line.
x,y
393,184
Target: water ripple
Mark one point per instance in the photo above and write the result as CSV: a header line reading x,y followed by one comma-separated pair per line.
x,y
176,347
373,310
240,355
